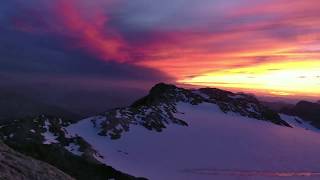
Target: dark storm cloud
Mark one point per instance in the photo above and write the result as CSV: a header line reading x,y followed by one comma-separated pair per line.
x,y
40,62
22,52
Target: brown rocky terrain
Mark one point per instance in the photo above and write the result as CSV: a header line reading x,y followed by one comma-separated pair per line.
x,y
15,166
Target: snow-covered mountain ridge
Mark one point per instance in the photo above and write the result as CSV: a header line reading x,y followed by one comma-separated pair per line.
x,y
156,110
175,133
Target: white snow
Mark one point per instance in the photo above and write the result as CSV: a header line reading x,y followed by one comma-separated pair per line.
x,y
215,145
74,148
118,114
32,130
147,111
11,135
252,107
298,123
49,138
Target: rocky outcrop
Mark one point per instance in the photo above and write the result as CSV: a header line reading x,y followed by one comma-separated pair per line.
x,y
15,166
307,111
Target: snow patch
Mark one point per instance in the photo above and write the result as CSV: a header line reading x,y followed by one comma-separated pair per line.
x,y
74,149
297,122
49,137
118,114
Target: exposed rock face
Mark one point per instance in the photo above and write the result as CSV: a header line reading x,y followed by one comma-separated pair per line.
x,y
15,166
156,110
307,111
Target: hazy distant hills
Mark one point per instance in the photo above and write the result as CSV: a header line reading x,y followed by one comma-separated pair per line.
x,y
14,105
277,105
63,102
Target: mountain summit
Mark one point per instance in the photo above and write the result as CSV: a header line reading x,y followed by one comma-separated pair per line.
x,y
176,133
156,110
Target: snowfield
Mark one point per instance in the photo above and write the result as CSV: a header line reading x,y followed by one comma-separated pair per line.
x,y
49,138
215,145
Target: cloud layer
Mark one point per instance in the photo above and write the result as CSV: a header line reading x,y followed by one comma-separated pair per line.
x,y
171,39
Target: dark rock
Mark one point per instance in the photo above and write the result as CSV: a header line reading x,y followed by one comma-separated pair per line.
x,y
307,111
14,165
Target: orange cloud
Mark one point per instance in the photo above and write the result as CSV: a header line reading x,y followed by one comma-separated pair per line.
x,y
287,40
93,31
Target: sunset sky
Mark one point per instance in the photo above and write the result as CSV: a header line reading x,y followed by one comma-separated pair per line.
x,y
269,47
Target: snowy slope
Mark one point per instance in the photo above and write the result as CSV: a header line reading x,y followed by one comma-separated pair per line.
x,y
297,122
214,145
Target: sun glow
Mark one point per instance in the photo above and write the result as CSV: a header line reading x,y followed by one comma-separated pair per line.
x,y
284,79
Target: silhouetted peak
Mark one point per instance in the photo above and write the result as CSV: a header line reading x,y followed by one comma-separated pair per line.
x,y
306,104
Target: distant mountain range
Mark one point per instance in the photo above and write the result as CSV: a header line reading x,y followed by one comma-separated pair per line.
x,y
175,133
14,105
277,105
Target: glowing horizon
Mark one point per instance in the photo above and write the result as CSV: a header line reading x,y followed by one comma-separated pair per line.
x,y
284,79
271,47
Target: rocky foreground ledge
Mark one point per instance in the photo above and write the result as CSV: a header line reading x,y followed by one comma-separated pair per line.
x,y
14,166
